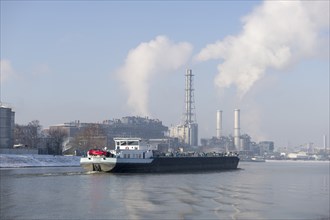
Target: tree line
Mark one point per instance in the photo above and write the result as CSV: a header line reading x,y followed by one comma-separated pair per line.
x,y
55,140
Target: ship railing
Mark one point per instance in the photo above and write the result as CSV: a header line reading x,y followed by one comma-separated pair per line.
x,y
197,154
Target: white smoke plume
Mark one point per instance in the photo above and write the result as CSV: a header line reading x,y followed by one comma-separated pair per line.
x,y
6,69
147,60
275,35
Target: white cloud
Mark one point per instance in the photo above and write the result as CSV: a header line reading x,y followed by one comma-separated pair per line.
x,y
149,59
6,69
275,35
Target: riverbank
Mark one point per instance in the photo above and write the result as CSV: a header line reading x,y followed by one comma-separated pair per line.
x,y
35,160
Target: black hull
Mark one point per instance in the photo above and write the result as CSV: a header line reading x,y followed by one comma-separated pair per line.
x,y
178,165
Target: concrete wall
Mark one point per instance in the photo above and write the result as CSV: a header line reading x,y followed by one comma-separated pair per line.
x,y
18,151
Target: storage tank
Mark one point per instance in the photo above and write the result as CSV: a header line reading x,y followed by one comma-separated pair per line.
x,y
7,123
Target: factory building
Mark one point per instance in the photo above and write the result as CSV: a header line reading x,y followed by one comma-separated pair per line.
x,y
187,131
237,142
214,144
134,126
70,128
103,133
266,147
245,142
7,125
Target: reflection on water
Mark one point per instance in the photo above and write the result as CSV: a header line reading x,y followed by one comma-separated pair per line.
x,y
268,190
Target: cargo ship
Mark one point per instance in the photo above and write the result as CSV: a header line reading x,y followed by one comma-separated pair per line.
x,y
134,155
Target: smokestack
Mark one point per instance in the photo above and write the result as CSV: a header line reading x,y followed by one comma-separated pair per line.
x,y
237,129
219,124
325,142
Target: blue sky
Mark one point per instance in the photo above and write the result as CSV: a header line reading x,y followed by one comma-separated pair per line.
x,y
79,60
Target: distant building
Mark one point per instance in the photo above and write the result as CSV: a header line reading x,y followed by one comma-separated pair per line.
x,y
134,126
266,147
130,126
7,125
186,133
71,128
245,142
222,144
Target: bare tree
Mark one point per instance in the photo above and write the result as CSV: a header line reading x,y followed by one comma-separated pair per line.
x,y
34,132
92,136
57,136
28,135
19,136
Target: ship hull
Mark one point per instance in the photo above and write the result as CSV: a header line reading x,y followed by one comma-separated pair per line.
x,y
160,164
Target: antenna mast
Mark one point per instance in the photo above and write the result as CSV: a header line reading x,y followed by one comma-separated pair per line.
x,y
189,99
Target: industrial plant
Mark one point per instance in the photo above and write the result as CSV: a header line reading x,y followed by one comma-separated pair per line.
x,y
187,131
76,137
241,143
86,135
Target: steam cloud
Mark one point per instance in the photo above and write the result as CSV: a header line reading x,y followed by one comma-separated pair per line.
x,y
275,35
6,70
146,60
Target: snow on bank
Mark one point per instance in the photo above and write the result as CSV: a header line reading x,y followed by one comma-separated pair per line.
x,y
35,160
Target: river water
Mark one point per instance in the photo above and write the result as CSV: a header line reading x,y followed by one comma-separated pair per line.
x,y
271,190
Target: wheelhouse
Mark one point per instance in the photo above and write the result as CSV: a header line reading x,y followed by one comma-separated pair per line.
x,y
130,144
